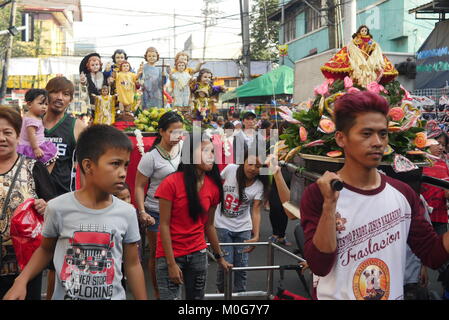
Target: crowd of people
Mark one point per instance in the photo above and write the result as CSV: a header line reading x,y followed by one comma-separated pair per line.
x,y
92,235
47,144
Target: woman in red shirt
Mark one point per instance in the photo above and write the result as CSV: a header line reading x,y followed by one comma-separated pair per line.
x,y
436,197
187,202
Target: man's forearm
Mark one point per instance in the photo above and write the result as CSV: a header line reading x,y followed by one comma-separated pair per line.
x,y
325,237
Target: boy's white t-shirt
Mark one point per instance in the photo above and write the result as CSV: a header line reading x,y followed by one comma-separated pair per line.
x,y
236,215
89,251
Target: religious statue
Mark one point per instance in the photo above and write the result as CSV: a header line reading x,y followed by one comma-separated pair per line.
x,y
362,60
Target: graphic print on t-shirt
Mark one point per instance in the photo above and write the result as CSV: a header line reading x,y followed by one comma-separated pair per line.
x,y
372,280
232,205
340,221
88,269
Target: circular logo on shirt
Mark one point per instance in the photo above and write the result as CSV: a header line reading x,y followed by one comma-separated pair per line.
x,y
372,280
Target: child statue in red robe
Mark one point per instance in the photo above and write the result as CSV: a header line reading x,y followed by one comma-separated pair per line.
x,y
362,60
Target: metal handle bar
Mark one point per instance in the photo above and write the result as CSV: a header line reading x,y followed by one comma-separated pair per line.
x,y
336,185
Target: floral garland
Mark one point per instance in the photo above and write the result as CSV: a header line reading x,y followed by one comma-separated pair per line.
x,y
139,139
311,128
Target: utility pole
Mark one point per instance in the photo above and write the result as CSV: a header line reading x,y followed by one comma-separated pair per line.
x,y
246,57
206,15
174,33
331,27
12,22
283,28
350,27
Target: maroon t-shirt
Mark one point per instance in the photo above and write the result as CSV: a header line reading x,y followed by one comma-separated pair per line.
x,y
373,228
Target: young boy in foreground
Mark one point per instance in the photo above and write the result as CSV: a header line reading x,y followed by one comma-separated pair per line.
x,y
89,232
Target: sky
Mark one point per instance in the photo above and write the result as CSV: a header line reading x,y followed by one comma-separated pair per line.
x,y
135,25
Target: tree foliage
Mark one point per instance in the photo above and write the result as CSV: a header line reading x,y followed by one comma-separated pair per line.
x,y
20,48
263,32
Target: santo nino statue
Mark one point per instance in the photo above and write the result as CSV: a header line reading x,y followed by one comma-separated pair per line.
x,y
362,60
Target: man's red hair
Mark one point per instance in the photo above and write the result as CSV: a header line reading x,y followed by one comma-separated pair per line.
x,y
348,106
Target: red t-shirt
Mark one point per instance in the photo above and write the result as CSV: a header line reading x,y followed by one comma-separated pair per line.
x,y
187,236
435,196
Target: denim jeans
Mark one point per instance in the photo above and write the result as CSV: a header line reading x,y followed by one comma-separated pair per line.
x,y
235,256
194,272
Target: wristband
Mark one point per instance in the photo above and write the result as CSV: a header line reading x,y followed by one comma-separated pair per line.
x,y
218,255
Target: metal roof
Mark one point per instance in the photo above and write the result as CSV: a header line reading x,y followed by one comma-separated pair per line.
x,y
437,6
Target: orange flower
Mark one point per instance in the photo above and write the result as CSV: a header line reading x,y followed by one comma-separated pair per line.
x,y
420,140
302,134
326,125
396,113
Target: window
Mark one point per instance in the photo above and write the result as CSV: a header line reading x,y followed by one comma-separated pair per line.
x,y
290,29
231,83
313,20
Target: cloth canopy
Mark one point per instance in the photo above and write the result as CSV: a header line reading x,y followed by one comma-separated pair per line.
x,y
277,82
432,59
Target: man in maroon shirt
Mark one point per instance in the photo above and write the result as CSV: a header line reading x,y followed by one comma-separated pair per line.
x,y
355,239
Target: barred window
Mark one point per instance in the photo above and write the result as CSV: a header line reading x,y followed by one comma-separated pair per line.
x,y
313,20
290,28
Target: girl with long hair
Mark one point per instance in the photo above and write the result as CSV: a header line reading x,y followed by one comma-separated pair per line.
x,y
187,202
238,218
162,160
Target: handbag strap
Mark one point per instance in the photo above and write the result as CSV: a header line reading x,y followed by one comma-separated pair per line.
x,y
11,187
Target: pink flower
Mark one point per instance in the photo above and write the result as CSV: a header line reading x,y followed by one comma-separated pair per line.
x,y
348,83
322,89
302,134
375,87
286,110
288,118
353,90
330,81
406,94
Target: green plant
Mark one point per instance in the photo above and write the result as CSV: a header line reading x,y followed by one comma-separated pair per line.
x,y
320,140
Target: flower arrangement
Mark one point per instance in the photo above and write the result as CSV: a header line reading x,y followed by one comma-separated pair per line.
x,y
311,127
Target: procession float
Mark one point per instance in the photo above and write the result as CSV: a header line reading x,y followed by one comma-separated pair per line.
x,y
309,142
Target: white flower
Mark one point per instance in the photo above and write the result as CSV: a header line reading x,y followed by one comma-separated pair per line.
x,y
139,139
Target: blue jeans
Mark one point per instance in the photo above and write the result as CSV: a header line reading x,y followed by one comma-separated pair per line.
x,y
235,256
194,272
155,215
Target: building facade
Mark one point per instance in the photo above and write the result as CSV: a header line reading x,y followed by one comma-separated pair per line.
x,y
311,28
53,24
314,34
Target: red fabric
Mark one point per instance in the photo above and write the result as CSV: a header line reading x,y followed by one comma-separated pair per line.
x,y
122,125
435,196
187,236
221,159
287,295
133,163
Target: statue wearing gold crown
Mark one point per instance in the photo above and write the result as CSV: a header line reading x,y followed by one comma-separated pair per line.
x,y
362,60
